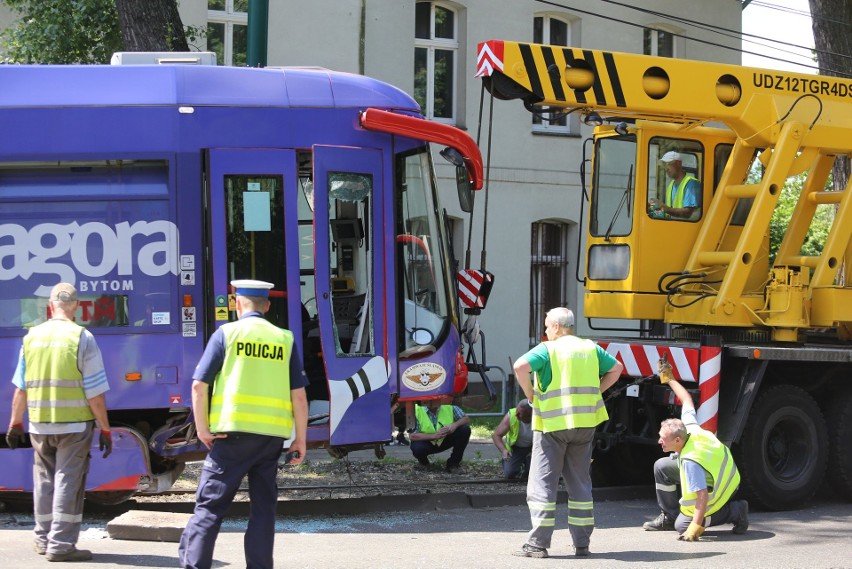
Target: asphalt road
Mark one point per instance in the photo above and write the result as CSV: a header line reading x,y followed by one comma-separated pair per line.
x,y
468,537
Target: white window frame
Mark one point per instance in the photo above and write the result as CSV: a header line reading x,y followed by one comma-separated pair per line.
x,y
655,30
572,124
229,18
443,44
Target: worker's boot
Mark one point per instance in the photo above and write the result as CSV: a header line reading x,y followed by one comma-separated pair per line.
x,y
741,521
662,523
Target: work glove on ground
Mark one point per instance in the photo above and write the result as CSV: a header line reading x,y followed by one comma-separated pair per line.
x,y
105,442
692,533
664,371
15,436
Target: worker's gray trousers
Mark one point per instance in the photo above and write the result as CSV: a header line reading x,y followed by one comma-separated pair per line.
x,y
59,483
567,453
667,480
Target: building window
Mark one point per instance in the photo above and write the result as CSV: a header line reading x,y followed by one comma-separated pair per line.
x,y
552,31
548,273
659,42
227,24
436,49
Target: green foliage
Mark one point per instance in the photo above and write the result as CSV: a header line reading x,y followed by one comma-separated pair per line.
x,y
820,224
62,32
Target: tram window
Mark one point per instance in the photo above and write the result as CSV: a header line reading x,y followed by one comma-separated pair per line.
x,y
349,199
254,210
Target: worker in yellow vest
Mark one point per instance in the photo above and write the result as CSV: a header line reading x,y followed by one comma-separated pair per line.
x,y
683,193
571,373
61,382
258,401
704,469
438,428
513,438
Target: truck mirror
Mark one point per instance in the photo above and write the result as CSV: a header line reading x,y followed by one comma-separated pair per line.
x,y
465,189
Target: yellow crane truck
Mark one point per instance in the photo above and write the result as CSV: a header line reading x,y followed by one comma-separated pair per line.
x,y
677,239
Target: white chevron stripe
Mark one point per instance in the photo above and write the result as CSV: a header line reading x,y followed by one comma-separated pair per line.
x,y
710,368
708,409
341,395
627,358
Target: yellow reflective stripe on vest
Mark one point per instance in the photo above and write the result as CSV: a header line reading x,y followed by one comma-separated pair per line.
x,y
573,398
53,382
251,394
715,458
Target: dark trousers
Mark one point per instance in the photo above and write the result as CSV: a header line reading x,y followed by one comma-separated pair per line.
x,y
228,462
518,465
457,441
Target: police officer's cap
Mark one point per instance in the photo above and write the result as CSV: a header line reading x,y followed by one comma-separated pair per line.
x,y
250,287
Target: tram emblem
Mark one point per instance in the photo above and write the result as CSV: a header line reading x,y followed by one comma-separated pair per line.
x,y
424,376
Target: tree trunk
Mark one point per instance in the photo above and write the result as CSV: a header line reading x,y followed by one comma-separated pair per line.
x,y
833,42
151,25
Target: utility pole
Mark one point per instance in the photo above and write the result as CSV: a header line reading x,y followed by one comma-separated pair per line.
x,y
258,32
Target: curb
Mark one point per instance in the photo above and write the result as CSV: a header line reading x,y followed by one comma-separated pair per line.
x,y
376,504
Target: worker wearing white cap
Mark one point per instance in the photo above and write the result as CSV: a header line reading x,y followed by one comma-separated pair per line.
x,y
258,400
683,194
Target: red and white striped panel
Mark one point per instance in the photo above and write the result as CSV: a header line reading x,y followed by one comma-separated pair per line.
x,y
688,364
471,282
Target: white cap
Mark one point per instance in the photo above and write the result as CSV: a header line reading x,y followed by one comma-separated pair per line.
x,y
670,156
249,287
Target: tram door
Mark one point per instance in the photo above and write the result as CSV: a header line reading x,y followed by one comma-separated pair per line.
x,y
305,221
350,291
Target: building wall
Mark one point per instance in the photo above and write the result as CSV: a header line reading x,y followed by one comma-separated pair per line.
x,y
531,177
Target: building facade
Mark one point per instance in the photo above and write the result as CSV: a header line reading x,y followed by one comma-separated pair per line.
x,y
428,49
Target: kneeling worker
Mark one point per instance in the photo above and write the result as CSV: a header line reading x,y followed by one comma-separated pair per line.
x,y
702,466
513,438
438,428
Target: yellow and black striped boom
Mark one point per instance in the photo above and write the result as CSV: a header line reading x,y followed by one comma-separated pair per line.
x,y
750,101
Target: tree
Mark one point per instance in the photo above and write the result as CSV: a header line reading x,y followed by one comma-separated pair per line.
x,y
152,25
62,31
90,31
833,43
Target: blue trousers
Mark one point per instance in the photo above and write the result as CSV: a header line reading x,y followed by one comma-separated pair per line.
x,y
456,441
228,462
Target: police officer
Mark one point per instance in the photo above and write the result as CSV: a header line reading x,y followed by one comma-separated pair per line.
x,y
258,400
567,406
60,381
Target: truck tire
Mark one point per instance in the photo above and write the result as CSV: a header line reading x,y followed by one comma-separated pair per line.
x,y
840,445
783,452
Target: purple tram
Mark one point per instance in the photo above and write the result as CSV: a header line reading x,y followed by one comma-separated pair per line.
x,y
150,187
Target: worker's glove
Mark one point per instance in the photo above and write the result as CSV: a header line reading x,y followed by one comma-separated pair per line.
x,y
15,436
664,371
105,442
692,533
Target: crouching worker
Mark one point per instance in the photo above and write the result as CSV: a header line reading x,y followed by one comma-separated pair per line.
x,y
513,438
438,428
704,469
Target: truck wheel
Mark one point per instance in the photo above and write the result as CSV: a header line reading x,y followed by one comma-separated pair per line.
x,y
783,452
840,445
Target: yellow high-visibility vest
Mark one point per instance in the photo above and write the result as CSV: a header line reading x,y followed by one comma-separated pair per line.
x,y
54,383
714,457
573,398
251,394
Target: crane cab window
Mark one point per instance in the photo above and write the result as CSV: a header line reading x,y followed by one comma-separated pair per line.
x,y
674,179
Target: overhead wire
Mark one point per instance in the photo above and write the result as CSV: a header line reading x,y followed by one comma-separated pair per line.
x,y
811,65
736,34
